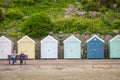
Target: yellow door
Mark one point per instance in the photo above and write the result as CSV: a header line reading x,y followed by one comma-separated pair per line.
x,y
28,49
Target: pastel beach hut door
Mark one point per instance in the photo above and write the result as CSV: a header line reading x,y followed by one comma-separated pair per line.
x,y
27,46
5,47
114,47
72,48
95,47
49,48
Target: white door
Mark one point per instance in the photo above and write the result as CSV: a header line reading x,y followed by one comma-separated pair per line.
x,y
49,50
5,50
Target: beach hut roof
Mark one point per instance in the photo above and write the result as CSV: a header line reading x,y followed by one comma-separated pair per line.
x,y
114,38
94,37
27,38
70,38
49,38
3,38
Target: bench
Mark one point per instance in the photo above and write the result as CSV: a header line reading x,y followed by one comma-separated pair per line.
x,y
17,58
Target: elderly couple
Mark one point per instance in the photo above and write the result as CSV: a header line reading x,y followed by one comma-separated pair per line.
x,y
13,56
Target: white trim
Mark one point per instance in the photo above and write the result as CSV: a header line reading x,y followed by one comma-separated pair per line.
x,y
48,38
114,38
24,38
72,36
94,37
6,38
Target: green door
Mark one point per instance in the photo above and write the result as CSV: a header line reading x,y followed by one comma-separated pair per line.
x,y
115,50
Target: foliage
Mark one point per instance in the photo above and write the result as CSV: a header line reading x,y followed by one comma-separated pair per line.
x,y
92,5
116,24
14,13
2,16
5,3
98,26
109,16
24,2
106,18
38,25
81,24
65,25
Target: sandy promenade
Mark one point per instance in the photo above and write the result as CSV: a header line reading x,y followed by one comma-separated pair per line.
x,y
61,70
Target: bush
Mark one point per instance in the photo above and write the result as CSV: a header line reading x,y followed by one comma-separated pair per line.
x,y
109,16
38,25
65,25
116,24
14,13
72,25
103,9
83,25
91,5
84,2
24,2
98,26
2,16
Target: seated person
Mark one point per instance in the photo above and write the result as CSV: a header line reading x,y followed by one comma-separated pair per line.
x,y
22,56
13,56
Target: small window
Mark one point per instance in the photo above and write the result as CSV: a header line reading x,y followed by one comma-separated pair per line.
x,y
94,39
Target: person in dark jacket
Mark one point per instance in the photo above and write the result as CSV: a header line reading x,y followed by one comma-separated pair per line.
x,y
22,56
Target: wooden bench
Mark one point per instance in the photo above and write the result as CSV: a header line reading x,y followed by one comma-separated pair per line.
x,y
17,58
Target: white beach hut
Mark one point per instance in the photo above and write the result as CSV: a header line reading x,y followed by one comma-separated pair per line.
x,y
5,47
49,48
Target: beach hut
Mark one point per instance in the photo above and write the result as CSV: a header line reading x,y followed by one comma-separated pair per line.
x,y
72,48
5,47
27,45
95,47
49,48
114,47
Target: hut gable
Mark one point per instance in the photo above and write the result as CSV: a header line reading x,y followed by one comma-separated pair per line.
x,y
96,38
4,39
71,38
116,38
49,38
26,39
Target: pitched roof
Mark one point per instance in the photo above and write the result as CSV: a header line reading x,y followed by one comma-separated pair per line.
x,y
24,38
94,37
114,38
70,38
48,38
3,38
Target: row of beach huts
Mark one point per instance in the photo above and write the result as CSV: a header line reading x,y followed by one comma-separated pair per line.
x,y
72,47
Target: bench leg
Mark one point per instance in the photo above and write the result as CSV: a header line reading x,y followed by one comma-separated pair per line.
x,y
25,61
9,61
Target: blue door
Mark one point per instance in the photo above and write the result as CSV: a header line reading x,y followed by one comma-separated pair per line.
x,y
91,50
95,49
100,50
